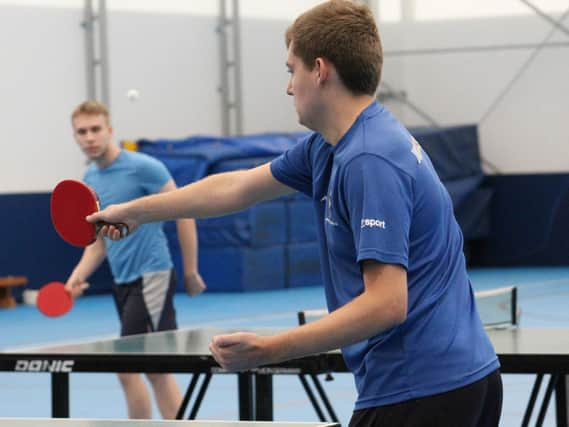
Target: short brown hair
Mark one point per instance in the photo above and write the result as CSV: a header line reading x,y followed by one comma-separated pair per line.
x,y
344,33
91,108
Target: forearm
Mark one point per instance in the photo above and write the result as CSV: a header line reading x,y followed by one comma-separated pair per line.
x,y
362,318
91,259
187,236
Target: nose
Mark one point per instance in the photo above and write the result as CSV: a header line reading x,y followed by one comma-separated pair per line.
x,y
289,89
89,136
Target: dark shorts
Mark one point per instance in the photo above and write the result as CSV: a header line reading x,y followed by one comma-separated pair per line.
x,y
475,405
146,304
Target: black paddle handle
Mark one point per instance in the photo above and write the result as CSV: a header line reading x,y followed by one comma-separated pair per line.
x,y
121,226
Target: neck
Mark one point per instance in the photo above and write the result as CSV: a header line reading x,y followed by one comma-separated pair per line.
x,y
342,114
109,157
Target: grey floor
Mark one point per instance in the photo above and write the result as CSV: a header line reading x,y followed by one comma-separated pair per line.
x,y
543,296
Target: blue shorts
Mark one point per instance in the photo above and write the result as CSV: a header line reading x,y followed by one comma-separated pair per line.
x,y
147,303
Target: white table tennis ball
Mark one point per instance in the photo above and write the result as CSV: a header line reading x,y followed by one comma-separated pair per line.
x,y
133,95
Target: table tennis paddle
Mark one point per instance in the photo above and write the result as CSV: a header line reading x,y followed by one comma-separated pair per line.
x,y
71,202
54,300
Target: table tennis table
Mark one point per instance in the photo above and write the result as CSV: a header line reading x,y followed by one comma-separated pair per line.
x,y
539,351
58,422
180,351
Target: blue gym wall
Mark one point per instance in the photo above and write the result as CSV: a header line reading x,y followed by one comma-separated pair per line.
x,y
32,248
528,222
507,220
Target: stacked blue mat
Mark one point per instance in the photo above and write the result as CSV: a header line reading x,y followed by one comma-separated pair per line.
x,y
269,246
273,245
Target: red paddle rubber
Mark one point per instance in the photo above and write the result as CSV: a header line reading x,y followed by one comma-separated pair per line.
x,y
54,300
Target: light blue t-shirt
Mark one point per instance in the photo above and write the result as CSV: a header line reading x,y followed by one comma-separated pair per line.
x,y
130,176
378,197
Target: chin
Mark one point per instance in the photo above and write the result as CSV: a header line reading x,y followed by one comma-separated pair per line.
x,y
93,157
305,123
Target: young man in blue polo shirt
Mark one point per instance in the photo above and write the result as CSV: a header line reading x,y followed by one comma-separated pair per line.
x,y
401,305
142,267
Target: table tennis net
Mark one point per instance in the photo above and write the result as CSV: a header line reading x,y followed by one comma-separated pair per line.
x,y
497,308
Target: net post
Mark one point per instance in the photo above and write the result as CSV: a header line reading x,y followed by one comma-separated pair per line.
x,y
514,306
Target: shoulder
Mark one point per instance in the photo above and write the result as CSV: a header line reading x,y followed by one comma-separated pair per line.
x,y
148,170
143,163
314,146
306,149
310,141
140,158
383,140
373,168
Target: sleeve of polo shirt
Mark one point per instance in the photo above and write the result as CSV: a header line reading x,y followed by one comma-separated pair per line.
x,y
152,175
378,198
293,168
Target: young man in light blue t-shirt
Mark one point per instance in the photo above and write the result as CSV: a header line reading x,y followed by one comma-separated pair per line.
x,y
141,267
401,305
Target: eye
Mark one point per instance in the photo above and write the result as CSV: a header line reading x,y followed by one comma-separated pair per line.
x,y
81,131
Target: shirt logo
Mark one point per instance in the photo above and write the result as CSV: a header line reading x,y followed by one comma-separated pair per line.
x,y
373,223
416,150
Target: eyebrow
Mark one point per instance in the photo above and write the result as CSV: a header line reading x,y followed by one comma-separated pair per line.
x,y
95,128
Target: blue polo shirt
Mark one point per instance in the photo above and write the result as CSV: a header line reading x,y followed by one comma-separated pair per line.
x,y
378,197
132,175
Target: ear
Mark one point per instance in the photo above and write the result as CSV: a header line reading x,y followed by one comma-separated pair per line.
x,y
322,68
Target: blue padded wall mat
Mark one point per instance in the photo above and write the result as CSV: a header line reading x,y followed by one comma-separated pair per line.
x,y
243,269
528,224
32,248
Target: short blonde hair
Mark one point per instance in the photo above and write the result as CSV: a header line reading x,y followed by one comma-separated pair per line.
x,y
91,108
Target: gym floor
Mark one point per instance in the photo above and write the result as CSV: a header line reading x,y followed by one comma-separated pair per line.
x,y
542,297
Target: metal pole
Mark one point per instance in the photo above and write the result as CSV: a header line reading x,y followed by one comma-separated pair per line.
x,y
103,53
89,48
557,24
237,99
524,67
224,83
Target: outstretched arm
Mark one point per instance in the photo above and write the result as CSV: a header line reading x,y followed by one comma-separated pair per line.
x,y
214,195
382,305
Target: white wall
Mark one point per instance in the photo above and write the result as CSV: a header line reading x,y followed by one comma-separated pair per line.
x,y
172,59
526,130
42,78
266,105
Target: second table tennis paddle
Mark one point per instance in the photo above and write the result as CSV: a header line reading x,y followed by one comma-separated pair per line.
x,y
71,202
54,300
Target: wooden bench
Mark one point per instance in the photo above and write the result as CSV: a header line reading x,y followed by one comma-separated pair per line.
x,y
7,300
